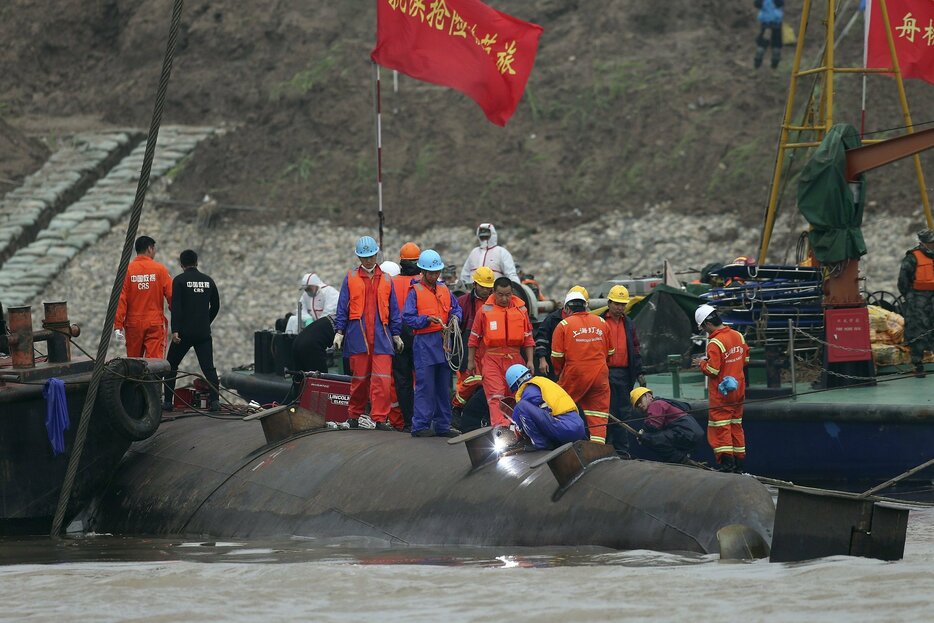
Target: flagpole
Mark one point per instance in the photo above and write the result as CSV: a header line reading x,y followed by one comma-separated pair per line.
x,y
379,149
867,15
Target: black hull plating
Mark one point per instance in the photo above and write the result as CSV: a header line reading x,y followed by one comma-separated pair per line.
x,y
218,479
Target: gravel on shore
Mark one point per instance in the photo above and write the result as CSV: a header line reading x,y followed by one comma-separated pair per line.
x,y
257,267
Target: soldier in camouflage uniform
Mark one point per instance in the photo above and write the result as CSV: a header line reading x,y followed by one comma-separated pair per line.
x,y
916,282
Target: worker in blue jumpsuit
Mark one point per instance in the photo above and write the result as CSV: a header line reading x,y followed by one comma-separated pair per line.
x,y
429,308
544,412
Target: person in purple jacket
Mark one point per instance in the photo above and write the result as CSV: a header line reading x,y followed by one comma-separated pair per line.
x,y
429,308
669,431
367,327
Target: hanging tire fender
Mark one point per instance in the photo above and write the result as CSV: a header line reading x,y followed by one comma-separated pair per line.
x,y
131,395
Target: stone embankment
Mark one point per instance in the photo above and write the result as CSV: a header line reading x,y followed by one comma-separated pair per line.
x,y
57,238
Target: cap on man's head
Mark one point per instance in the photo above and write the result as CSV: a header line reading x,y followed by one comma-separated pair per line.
x,y
926,236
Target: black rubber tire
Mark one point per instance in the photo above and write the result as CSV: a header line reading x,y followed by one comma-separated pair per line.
x,y
134,408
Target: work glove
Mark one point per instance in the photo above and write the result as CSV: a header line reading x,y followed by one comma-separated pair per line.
x,y
727,385
364,421
119,337
338,340
397,340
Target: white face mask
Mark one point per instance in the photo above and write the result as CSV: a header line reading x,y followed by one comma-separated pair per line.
x,y
370,269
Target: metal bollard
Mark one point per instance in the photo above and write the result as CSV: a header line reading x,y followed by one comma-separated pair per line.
x,y
674,366
21,343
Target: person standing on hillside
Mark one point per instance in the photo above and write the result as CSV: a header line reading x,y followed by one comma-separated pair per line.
x,y
489,253
770,18
916,283
428,308
368,313
195,303
581,346
727,356
140,322
625,364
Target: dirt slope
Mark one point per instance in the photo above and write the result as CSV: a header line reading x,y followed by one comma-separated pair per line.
x,y
630,104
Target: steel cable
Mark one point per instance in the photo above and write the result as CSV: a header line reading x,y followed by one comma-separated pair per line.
x,y
128,243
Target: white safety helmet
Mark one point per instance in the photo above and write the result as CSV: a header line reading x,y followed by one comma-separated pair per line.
x,y
702,313
390,268
574,295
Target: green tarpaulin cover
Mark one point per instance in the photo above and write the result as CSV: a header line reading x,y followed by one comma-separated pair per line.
x,y
825,199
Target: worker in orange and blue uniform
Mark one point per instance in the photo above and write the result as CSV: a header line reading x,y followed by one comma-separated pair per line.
x,y
368,320
724,363
429,307
580,348
503,332
140,311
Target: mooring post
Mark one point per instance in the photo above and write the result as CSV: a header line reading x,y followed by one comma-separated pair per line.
x,y
674,366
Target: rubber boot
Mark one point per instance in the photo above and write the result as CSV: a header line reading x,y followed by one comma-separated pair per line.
x,y
738,465
919,370
776,57
726,463
760,54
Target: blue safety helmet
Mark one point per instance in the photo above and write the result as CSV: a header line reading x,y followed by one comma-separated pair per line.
x,y
430,260
367,247
516,375
727,385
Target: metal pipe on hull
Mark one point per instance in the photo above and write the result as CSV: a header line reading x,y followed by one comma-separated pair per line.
x,y
205,477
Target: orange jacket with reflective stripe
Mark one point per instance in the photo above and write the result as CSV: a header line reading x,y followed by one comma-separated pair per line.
x,y
924,271
581,339
428,303
727,354
497,326
356,289
617,329
146,284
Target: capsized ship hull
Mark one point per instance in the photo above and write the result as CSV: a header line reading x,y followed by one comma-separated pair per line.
x,y
214,478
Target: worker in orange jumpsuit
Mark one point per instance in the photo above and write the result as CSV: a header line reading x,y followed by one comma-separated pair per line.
x,y
727,356
503,330
368,314
403,364
580,348
470,304
140,320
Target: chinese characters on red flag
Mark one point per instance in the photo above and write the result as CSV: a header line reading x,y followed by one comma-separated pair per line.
x,y
462,44
912,24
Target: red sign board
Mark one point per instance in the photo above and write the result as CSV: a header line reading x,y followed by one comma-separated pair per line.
x,y
326,396
847,331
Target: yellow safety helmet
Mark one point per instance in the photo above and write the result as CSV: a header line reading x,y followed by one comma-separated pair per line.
x,y
483,276
638,393
582,290
619,294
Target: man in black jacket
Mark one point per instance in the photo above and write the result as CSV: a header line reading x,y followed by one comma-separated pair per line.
x,y
195,303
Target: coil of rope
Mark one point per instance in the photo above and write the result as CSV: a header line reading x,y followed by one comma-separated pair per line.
x,y
453,342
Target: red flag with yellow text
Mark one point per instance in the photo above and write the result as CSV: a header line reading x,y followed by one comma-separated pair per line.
x,y
912,23
462,44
